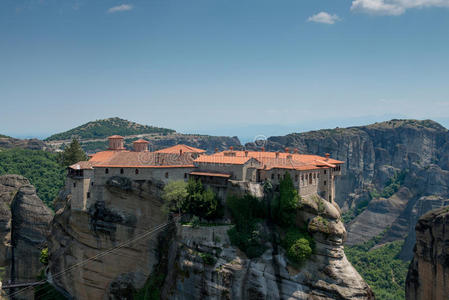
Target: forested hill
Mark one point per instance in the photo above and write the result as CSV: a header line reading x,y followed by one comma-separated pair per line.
x,y
103,128
3,136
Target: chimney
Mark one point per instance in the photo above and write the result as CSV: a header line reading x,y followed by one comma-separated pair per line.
x,y
287,150
262,149
246,153
140,145
327,156
277,154
296,150
231,148
216,150
180,151
116,142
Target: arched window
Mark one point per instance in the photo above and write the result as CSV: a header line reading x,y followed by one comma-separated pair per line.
x,y
106,171
272,176
166,174
310,178
121,171
74,184
296,177
137,171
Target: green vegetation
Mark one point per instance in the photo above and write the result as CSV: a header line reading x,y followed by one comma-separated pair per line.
x,y
3,136
283,209
298,243
40,167
174,195
247,212
208,258
381,268
44,256
201,202
72,154
152,288
107,127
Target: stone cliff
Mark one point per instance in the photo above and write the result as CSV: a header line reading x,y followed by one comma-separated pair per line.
x,y
229,274
33,144
24,226
373,155
131,208
428,275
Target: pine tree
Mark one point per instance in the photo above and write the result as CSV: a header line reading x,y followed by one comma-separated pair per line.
x,y
73,154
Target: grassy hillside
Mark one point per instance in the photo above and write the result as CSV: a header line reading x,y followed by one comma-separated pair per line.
x,y
380,268
3,136
108,127
40,167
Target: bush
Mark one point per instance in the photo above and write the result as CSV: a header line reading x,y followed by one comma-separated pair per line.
x,y
174,196
208,258
300,251
298,243
44,256
201,202
246,212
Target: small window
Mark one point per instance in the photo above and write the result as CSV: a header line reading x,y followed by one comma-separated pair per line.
x,y
166,174
318,175
279,176
325,182
330,198
302,177
310,178
88,194
272,176
185,175
121,171
314,175
74,184
324,171
92,183
296,177
106,171
137,171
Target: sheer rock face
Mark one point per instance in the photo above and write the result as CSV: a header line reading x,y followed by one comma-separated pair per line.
x,y
428,274
231,275
24,226
373,154
122,215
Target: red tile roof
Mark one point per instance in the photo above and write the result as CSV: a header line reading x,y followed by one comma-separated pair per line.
x,y
115,137
178,148
141,141
213,159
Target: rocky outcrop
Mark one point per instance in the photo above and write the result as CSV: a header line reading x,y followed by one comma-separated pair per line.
x,y
428,275
126,212
33,144
228,274
372,155
24,226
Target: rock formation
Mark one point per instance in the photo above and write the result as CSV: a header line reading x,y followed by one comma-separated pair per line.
x,y
373,154
229,274
428,275
24,226
125,213
130,208
33,144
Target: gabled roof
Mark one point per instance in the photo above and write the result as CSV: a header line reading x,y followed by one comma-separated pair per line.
x,y
181,148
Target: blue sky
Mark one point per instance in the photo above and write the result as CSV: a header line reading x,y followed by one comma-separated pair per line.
x,y
245,67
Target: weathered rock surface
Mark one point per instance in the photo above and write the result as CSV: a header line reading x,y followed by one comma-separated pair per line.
x,y
373,154
33,144
24,226
231,275
124,214
428,275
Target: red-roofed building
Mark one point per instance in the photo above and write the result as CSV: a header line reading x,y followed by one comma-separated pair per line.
x,y
311,174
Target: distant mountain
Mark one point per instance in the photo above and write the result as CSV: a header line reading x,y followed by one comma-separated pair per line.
x,y
4,136
103,128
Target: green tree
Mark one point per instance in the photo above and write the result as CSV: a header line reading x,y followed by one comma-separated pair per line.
x,y
300,251
284,206
44,256
200,201
73,154
174,195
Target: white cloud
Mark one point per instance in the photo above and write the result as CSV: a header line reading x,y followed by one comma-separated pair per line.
x,y
324,17
393,7
118,8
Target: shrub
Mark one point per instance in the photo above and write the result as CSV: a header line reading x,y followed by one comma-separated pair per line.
x,y
44,256
208,258
201,202
300,251
174,195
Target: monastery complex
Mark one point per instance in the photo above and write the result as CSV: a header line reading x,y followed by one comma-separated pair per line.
x,y
311,174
